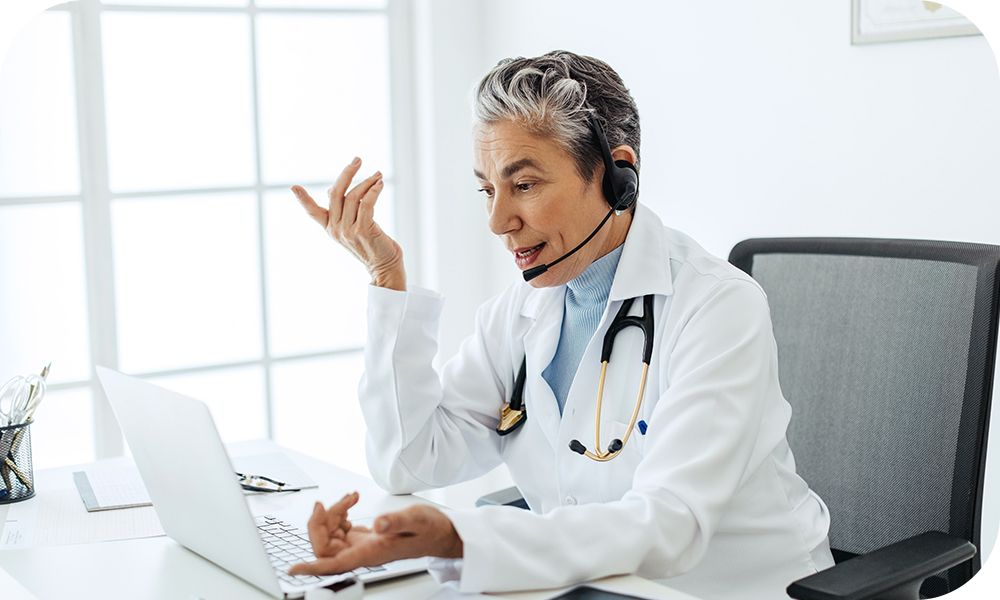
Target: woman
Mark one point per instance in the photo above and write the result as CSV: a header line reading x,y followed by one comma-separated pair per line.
x,y
698,486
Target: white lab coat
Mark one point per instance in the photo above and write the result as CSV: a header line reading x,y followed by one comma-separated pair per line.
x,y
707,500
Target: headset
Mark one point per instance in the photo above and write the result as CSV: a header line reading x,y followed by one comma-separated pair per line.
x,y
621,178
620,186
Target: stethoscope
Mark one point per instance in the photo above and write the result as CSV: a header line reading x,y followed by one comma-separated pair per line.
x,y
514,414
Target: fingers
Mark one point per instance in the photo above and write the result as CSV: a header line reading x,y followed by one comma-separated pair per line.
x,y
327,528
318,213
366,207
336,515
347,560
353,198
323,566
345,503
336,191
319,534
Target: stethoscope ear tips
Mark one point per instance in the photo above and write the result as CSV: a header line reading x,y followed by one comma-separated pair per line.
x,y
577,447
614,446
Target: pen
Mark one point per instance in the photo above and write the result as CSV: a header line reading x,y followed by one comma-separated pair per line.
x,y
8,465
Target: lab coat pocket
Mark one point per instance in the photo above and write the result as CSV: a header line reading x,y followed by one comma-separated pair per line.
x,y
617,429
621,469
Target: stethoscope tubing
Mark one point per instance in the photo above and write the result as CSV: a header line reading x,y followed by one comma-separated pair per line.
x,y
514,413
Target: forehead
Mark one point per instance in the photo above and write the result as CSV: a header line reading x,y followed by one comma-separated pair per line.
x,y
503,143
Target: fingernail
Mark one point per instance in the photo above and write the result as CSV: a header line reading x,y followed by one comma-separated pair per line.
x,y
356,161
381,524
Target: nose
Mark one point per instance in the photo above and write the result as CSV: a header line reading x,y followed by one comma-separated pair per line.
x,y
503,214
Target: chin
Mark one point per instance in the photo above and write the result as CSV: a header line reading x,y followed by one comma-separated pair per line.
x,y
545,280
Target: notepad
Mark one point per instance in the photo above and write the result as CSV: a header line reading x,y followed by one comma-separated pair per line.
x,y
111,487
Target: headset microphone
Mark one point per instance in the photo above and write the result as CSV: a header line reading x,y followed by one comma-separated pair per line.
x,y
536,271
620,186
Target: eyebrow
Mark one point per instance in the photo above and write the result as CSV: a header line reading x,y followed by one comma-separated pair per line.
x,y
512,168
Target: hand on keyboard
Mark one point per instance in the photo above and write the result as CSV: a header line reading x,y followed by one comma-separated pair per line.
x,y
339,547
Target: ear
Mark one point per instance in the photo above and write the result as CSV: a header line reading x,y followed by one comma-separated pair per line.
x,y
624,152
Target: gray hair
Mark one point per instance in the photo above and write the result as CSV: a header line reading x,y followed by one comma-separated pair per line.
x,y
552,94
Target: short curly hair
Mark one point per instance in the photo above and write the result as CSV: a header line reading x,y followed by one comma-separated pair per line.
x,y
552,95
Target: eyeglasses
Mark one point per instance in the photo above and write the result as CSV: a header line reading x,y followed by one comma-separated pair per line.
x,y
260,483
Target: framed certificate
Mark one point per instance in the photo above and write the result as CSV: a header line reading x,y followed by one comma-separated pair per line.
x,y
895,20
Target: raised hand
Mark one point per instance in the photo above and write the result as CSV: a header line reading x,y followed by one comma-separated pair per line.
x,y
349,219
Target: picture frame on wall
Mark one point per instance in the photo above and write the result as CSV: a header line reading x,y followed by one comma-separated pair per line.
x,y
876,21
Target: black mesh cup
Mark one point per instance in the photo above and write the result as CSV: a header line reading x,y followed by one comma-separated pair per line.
x,y
17,477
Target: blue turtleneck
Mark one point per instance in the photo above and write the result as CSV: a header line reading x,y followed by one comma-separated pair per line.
x,y
586,297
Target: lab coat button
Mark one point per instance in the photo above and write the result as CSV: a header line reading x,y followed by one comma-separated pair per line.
x,y
569,501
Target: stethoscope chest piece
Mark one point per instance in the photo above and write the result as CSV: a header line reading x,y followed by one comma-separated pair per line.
x,y
514,414
510,419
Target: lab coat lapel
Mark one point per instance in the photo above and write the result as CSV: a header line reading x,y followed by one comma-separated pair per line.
x,y
545,307
644,267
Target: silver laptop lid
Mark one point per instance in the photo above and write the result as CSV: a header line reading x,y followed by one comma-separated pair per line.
x,y
189,477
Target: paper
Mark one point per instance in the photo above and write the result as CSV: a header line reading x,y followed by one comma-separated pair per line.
x,y
110,487
58,517
118,486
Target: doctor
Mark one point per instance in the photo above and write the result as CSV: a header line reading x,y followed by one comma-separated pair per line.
x,y
630,385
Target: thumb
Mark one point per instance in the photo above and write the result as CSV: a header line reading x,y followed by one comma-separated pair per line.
x,y
387,523
395,523
409,521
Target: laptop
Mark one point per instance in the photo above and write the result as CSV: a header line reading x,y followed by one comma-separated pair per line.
x,y
196,495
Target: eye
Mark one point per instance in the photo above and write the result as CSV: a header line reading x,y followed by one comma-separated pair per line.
x,y
524,187
488,192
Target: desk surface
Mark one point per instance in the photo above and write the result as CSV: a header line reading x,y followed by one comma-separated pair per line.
x,y
159,568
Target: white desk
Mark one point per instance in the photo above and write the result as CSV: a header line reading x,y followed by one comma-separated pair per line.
x,y
159,568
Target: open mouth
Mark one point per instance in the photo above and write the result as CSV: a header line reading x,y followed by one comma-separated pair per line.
x,y
525,257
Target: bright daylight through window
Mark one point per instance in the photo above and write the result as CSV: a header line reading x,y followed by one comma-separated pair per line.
x,y
146,151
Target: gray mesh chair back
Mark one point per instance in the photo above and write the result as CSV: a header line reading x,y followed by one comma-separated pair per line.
x,y
886,353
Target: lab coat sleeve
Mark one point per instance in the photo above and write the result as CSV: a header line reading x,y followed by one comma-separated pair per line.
x,y
699,447
423,431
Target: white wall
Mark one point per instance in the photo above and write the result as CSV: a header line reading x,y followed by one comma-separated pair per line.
x,y
453,258
758,119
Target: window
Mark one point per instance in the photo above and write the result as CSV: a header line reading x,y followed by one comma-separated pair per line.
x,y
146,150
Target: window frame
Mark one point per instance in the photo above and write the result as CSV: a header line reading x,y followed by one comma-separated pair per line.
x,y
96,197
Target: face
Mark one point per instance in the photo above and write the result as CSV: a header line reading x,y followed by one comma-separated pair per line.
x,y
538,204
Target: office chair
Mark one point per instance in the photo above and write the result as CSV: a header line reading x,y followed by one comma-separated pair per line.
x,y
886,353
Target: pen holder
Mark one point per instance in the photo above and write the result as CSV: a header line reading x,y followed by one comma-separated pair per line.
x,y
17,476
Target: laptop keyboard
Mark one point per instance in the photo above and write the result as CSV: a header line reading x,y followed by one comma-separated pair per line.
x,y
287,545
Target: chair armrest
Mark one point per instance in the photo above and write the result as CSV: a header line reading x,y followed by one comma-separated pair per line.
x,y
893,572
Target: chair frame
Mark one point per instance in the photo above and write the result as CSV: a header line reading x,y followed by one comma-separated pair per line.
x,y
979,384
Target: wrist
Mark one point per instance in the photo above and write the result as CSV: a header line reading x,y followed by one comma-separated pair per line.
x,y
453,546
393,278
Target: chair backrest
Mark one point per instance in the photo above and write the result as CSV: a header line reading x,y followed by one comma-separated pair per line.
x,y
886,353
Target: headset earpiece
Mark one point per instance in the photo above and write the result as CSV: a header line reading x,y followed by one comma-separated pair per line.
x,y
626,184
621,178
